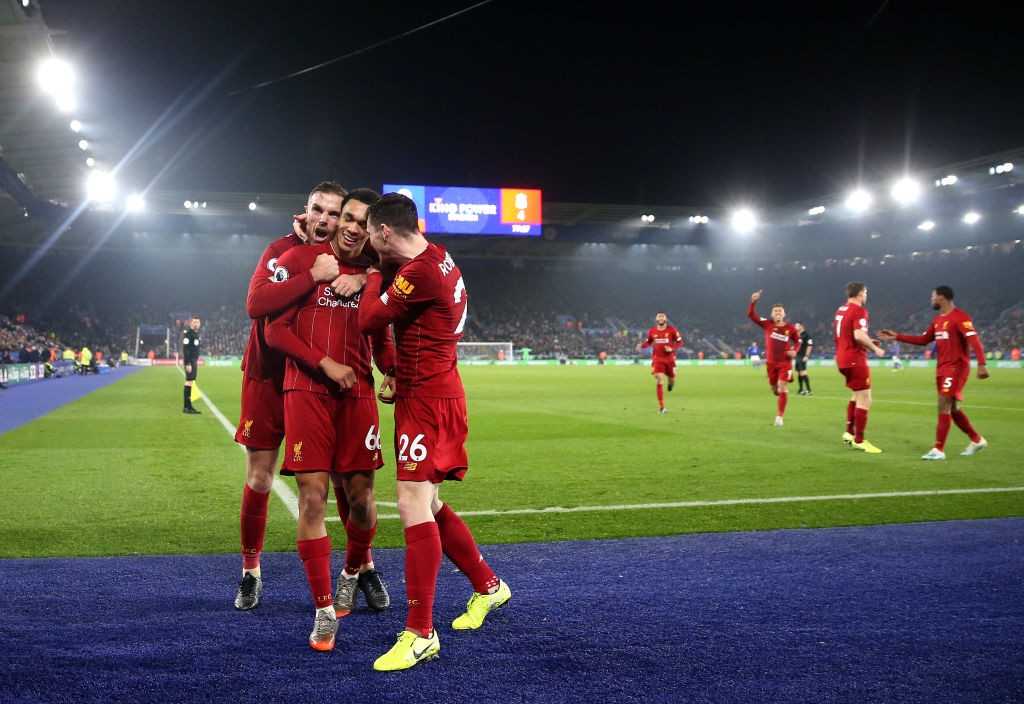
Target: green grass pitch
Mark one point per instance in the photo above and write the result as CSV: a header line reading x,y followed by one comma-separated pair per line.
x,y
556,453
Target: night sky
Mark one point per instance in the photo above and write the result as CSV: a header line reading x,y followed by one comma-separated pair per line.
x,y
660,103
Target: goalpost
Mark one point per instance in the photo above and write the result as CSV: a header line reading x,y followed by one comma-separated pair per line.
x,y
485,353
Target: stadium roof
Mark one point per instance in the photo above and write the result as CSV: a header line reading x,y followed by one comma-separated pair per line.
x,y
43,171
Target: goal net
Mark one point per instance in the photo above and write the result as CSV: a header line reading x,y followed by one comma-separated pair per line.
x,y
485,352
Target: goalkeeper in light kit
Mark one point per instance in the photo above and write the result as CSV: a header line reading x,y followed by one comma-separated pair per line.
x,y
665,340
953,332
781,344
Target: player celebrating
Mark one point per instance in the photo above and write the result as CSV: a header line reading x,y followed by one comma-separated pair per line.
x,y
781,344
261,424
852,342
953,331
665,340
427,303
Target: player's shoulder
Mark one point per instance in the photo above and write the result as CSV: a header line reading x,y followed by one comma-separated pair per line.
x,y
280,245
305,253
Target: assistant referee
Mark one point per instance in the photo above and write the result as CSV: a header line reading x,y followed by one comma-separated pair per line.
x,y
190,353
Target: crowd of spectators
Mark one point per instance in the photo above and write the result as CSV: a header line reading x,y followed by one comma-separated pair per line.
x,y
566,310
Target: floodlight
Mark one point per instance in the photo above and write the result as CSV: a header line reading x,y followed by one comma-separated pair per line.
x,y
135,203
83,144
90,162
252,206
57,78
744,220
905,191
76,126
816,210
859,200
101,187
971,217
927,226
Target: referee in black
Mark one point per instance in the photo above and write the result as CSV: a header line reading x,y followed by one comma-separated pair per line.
x,y
190,353
800,363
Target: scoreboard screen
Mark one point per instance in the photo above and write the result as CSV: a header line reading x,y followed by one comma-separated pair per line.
x,y
455,210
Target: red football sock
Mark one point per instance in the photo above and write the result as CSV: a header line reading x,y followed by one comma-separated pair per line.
x,y
316,558
860,423
422,562
942,431
783,397
460,547
359,541
661,395
254,526
850,408
960,418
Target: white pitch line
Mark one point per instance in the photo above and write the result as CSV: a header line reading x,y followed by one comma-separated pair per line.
x,y
735,502
283,491
292,503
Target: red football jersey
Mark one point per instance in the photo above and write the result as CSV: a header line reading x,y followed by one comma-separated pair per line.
x,y
953,333
260,361
323,324
427,303
849,353
778,339
659,338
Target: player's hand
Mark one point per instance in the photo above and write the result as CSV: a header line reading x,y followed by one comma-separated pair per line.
x,y
887,334
791,353
342,374
387,390
756,295
325,268
668,349
299,226
983,372
348,284
188,368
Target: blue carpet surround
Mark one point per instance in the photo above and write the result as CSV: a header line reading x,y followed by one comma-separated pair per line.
x,y
902,613
23,403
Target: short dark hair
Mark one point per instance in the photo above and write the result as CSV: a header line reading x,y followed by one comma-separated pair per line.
x,y
329,187
363,195
945,291
854,288
395,210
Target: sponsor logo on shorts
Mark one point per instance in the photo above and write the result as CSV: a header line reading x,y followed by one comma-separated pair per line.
x,y
409,467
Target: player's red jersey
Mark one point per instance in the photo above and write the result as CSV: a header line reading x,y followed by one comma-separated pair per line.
x,y
323,324
849,353
266,296
778,339
659,338
952,333
427,302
